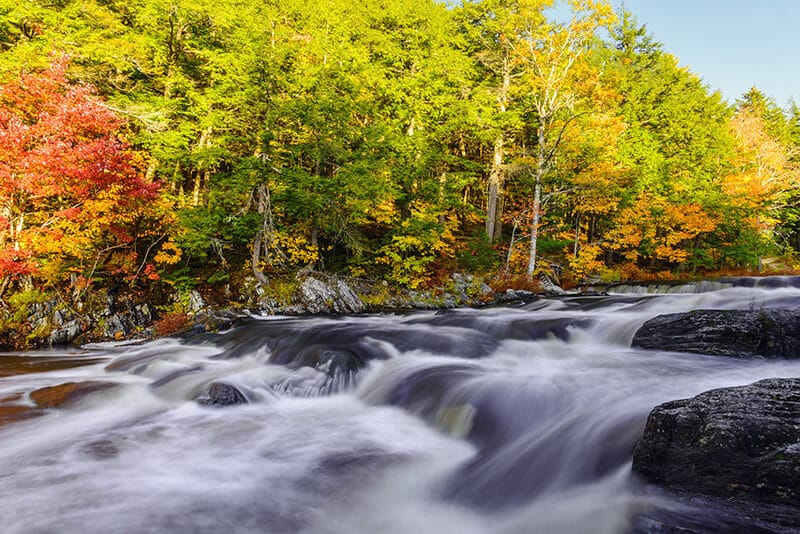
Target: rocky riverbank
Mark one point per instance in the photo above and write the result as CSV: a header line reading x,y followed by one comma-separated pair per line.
x,y
131,317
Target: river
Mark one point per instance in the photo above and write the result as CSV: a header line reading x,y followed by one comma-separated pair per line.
x,y
518,419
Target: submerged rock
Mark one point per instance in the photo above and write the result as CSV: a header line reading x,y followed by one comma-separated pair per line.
x,y
221,394
11,411
67,394
772,333
739,444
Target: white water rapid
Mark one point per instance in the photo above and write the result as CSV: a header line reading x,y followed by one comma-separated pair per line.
x,y
502,420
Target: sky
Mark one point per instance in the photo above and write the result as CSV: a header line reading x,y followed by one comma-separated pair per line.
x,y
732,45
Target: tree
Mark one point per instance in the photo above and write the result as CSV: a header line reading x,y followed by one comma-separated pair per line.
x,y
500,29
551,81
763,176
68,183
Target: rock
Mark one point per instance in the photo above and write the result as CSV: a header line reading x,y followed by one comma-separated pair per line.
x,y
221,394
11,411
67,333
213,321
515,296
17,364
740,445
15,412
334,296
196,302
126,321
67,394
549,287
773,333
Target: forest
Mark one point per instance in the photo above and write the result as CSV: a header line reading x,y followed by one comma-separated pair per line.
x,y
174,144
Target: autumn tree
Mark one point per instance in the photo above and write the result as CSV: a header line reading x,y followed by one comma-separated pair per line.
x,y
69,187
553,70
762,179
676,146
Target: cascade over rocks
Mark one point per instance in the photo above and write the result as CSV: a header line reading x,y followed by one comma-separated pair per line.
x,y
739,444
770,333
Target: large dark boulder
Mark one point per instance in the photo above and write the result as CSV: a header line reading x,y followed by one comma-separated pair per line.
x,y
739,445
771,333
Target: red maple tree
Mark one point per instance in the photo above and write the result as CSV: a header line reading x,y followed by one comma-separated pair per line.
x,y
68,183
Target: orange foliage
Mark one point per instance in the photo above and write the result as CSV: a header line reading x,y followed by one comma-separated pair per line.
x,y
653,228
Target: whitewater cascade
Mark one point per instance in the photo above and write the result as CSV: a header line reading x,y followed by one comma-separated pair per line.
x,y
501,420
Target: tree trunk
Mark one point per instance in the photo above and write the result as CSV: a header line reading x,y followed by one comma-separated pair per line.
x,y
201,176
264,234
494,209
495,188
541,156
511,247
537,201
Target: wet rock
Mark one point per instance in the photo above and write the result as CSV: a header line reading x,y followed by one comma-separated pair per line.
x,y
214,321
550,288
221,394
11,411
127,321
11,365
738,444
771,333
102,449
66,333
515,296
67,394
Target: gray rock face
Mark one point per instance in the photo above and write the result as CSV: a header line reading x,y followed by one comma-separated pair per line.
x,y
335,296
773,333
739,444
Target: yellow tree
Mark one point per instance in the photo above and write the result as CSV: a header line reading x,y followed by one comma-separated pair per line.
x,y
764,175
555,70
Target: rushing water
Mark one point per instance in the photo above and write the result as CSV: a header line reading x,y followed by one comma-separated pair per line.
x,y
504,420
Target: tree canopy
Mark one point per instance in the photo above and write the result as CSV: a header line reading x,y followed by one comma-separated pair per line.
x,y
183,142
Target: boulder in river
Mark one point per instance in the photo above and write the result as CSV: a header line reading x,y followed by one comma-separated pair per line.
x,y
770,333
740,445
221,394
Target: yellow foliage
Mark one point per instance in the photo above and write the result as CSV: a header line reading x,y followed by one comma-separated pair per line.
x,y
587,262
292,251
168,254
655,228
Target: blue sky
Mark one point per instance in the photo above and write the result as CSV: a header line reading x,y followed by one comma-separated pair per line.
x,y
731,44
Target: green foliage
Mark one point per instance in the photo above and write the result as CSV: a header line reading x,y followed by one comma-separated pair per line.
x,y
479,255
219,277
372,128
